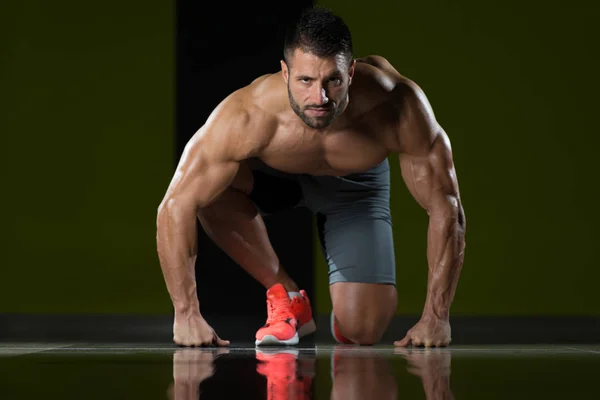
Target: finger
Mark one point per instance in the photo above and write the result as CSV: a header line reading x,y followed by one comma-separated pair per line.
x,y
403,343
220,342
417,341
428,342
438,343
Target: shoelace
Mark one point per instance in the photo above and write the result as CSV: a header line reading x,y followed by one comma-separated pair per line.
x,y
276,308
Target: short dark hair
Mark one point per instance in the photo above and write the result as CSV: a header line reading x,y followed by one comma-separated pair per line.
x,y
320,32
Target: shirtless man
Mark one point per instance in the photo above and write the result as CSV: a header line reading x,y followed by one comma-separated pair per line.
x,y
316,134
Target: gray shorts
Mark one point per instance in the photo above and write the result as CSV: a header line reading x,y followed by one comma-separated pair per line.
x,y
352,212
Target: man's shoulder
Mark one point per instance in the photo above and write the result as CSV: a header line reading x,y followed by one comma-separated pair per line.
x,y
376,60
391,93
241,121
377,84
377,72
248,104
378,76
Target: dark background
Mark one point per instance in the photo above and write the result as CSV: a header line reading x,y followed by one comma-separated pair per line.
x,y
97,101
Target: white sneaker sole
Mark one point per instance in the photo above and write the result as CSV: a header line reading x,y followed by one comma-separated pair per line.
x,y
270,340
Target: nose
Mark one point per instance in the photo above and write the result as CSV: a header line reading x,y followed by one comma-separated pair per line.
x,y
319,96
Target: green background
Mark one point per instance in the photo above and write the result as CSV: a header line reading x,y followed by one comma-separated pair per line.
x,y
515,85
86,133
87,153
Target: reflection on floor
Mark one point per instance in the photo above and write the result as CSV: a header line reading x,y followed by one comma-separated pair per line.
x,y
127,371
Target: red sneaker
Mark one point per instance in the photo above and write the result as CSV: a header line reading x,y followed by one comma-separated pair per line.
x,y
288,319
281,326
301,309
337,335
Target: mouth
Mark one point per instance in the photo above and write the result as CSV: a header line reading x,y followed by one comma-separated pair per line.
x,y
318,112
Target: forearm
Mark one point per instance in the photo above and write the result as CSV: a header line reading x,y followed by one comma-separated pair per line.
x,y
445,254
176,239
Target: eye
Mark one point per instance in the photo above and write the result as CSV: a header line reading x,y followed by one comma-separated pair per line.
x,y
337,81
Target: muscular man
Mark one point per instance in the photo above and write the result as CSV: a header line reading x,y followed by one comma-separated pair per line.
x,y
316,134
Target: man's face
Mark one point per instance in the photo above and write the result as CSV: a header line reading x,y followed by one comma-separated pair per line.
x,y
317,87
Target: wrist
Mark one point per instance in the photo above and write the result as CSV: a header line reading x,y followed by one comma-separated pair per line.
x,y
438,313
186,310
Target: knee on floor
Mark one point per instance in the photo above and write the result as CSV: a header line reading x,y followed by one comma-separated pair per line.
x,y
363,311
363,331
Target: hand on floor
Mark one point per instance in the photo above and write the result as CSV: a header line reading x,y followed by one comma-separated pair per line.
x,y
193,330
428,332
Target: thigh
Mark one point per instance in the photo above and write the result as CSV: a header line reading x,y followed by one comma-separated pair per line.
x,y
355,232
355,229
358,246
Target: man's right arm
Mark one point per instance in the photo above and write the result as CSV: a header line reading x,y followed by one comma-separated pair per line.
x,y
207,167
199,179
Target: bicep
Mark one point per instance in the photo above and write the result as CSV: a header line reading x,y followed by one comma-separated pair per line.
x,y
203,173
430,176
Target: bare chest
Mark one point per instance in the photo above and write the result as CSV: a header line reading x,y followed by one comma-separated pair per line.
x,y
334,153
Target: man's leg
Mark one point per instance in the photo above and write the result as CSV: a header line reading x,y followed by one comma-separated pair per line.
x,y
355,229
235,224
362,279
363,311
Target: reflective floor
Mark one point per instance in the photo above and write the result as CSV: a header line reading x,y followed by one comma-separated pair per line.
x,y
126,371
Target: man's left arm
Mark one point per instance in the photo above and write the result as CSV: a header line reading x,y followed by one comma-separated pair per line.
x,y
428,170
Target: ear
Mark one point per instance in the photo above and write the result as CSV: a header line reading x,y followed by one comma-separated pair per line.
x,y
285,71
351,71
